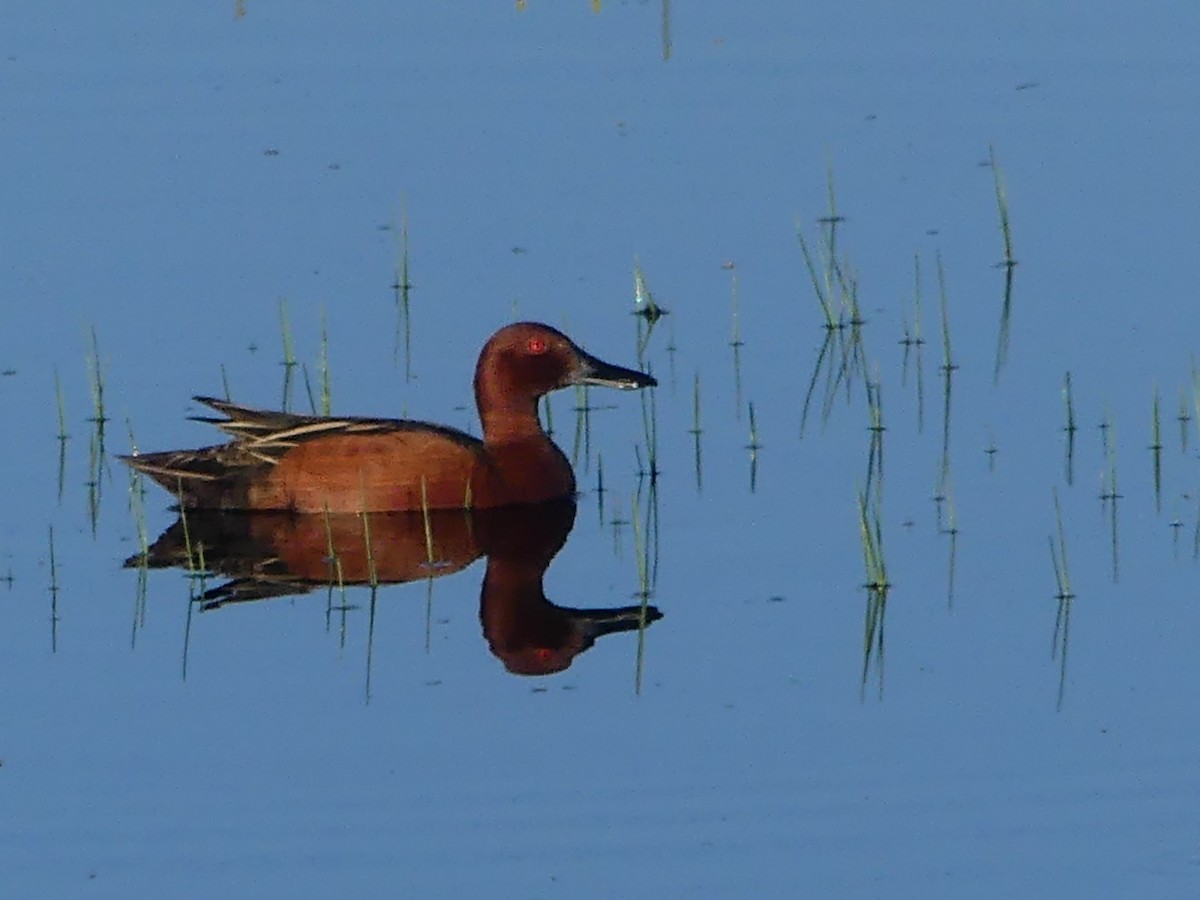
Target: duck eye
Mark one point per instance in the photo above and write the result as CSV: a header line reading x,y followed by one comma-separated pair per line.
x,y
536,346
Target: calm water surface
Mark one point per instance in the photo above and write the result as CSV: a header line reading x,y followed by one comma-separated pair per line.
x,y
170,179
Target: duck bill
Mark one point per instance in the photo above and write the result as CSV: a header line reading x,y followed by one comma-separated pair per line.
x,y
599,622
598,372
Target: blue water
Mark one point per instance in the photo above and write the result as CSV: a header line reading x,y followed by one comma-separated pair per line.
x,y
170,178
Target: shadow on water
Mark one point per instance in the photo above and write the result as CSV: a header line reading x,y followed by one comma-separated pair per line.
x,y
265,555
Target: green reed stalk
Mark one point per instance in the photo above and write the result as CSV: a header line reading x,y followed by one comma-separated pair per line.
x,y
873,641
1058,554
372,606
139,602
1070,428
913,343
137,500
54,618
1110,493
326,374
754,446
652,533
1156,448
1062,619
1114,497
600,489
547,415
736,342
60,408
648,400
189,549
96,382
97,459
617,524
820,284
94,484
63,437
644,304
582,408
877,585
853,356
832,219
308,390
289,354
429,613
646,309
948,369
696,430
428,525
187,635
837,274
337,575
373,581
829,279
372,575
1176,526
643,594
819,277
1009,263
1184,418
875,453
951,530
402,289
824,358
671,351
871,534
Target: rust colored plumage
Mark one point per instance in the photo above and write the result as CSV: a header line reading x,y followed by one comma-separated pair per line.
x,y
281,461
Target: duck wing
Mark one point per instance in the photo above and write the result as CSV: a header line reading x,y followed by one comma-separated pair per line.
x,y
212,476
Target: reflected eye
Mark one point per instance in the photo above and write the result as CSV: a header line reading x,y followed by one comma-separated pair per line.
x,y
536,345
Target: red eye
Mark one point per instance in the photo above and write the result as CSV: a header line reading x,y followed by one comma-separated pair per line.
x,y
536,345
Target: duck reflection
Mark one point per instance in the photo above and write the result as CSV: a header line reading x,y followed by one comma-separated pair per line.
x,y
281,554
